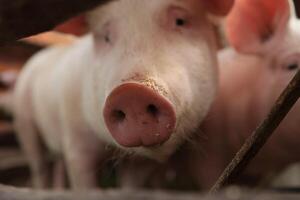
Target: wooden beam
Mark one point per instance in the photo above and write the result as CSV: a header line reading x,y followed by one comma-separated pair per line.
x,y
9,193
23,18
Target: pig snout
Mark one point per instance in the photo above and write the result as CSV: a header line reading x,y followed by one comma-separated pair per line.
x,y
137,115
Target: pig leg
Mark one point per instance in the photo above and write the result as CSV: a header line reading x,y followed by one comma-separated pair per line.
x,y
29,139
138,172
59,175
34,150
206,172
83,153
206,165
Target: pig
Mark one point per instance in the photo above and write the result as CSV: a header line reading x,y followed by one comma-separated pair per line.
x,y
265,55
265,36
139,83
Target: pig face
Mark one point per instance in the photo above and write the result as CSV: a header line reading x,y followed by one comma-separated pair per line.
x,y
163,50
279,63
282,65
270,32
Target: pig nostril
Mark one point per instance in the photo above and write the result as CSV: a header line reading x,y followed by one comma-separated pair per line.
x,y
153,110
118,115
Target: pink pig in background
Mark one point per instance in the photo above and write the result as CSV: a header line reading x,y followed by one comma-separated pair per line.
x,y
268,35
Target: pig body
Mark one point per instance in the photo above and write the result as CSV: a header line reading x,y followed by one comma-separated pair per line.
x,y
248,89
250,83
42,119
78,99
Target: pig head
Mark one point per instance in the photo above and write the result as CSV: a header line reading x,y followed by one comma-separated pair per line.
x,y
159,71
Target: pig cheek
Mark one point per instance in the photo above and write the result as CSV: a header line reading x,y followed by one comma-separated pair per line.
x,y
180,94
198,80
204,88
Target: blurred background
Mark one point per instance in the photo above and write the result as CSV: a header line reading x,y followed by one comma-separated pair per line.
x,y
13,167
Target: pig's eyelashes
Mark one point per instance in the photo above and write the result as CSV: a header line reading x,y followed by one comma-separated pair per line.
x,y
105,34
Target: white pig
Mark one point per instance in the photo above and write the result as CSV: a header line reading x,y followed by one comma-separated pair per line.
x,y
142,81
268,35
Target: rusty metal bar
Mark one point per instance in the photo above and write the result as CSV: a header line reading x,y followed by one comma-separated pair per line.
x,y
260,136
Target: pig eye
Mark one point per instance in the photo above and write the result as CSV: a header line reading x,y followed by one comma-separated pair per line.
x,y
180,22
105,34
290,62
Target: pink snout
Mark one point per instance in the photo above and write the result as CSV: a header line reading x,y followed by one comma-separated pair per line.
x,y
136,116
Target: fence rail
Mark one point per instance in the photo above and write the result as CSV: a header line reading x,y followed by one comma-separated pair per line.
x,y
9,193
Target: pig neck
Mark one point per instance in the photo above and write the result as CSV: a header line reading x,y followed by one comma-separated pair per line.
x,y
92,92
78,91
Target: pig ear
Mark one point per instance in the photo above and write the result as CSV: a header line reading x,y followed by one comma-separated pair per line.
x,y
254,26
219,7
76,26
